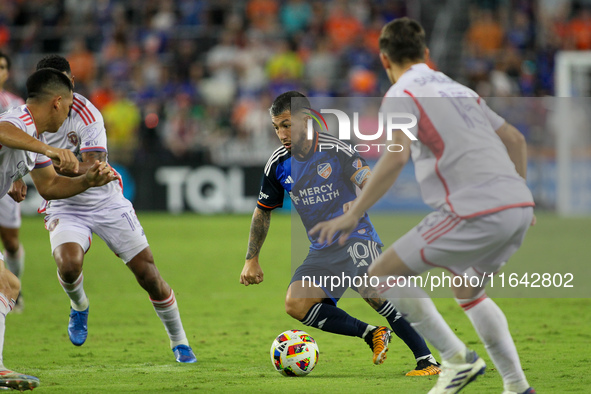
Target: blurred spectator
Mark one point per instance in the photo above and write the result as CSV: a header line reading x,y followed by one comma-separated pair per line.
x,y
341,26
181,130
103,94
262,14
285,63
220,88
82,62
122,120
295,16
165,17
580,29
485,34
193,12
322,65
362,82
250,64
521,34
184,56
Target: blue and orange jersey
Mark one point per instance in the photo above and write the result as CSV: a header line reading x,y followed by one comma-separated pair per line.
x,y
319,186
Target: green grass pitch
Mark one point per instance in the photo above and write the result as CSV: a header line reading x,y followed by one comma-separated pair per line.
x,y
231,327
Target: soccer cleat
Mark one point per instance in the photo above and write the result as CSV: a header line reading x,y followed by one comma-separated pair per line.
x,y
17,381
184,354
425,368
378,340
19,305
528,391
78,326
454,377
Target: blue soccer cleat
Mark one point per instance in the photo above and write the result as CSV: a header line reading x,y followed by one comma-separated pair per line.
x,y
78,326
17,381
184,354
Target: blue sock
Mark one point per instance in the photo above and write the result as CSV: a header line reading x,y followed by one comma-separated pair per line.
x,y
332,319
404,330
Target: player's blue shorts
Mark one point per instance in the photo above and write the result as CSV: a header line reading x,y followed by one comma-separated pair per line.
x,y
337,268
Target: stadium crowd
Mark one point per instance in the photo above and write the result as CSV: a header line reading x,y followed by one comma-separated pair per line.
x,y
192,80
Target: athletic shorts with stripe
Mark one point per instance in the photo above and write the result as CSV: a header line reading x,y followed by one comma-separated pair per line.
x,y
348,261
484,243
10,213
116,224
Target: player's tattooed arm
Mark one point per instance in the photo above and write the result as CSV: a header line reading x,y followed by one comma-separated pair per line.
x,y
88,159
261,220
252,273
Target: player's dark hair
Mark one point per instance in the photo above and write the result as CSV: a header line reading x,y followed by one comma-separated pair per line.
x,y
47,82
283,103
58,62
5,56
403,40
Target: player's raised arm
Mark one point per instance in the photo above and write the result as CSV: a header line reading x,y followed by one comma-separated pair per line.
x,y
259,227
383,177
13,137
51,186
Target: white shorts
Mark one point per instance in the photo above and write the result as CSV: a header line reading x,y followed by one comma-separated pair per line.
x,y
116,224
483,243
10,213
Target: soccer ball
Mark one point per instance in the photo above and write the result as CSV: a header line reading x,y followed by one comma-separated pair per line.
x,y
294,353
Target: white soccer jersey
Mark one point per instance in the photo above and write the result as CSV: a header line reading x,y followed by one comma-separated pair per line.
x,y
83,131
9,100
16,163
460,162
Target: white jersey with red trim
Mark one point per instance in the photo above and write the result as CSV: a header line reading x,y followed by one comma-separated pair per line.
x,y
9,100
83,131
460,162
16,163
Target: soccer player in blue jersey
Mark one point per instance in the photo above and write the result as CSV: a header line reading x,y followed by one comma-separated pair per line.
x,y
322,184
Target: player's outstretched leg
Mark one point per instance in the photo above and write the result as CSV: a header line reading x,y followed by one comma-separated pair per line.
x,y
492,328
9,289
69,258
164,302
14,257
312,308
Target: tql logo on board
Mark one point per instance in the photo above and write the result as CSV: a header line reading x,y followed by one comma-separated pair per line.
x,y
394,121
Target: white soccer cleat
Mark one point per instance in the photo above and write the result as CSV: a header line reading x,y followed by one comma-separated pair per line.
x,y
528,391
454,377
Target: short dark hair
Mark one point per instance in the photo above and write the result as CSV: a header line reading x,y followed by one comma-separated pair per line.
x,y
58,62
5,56
47,82
403,40
283,103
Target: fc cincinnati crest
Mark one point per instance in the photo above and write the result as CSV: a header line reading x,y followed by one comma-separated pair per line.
x,y
73,138
357,164
324,170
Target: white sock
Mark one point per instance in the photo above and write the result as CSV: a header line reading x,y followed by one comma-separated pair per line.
x,y
16,262
168,311
418,309
429,358
75,291
5,307
492,328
